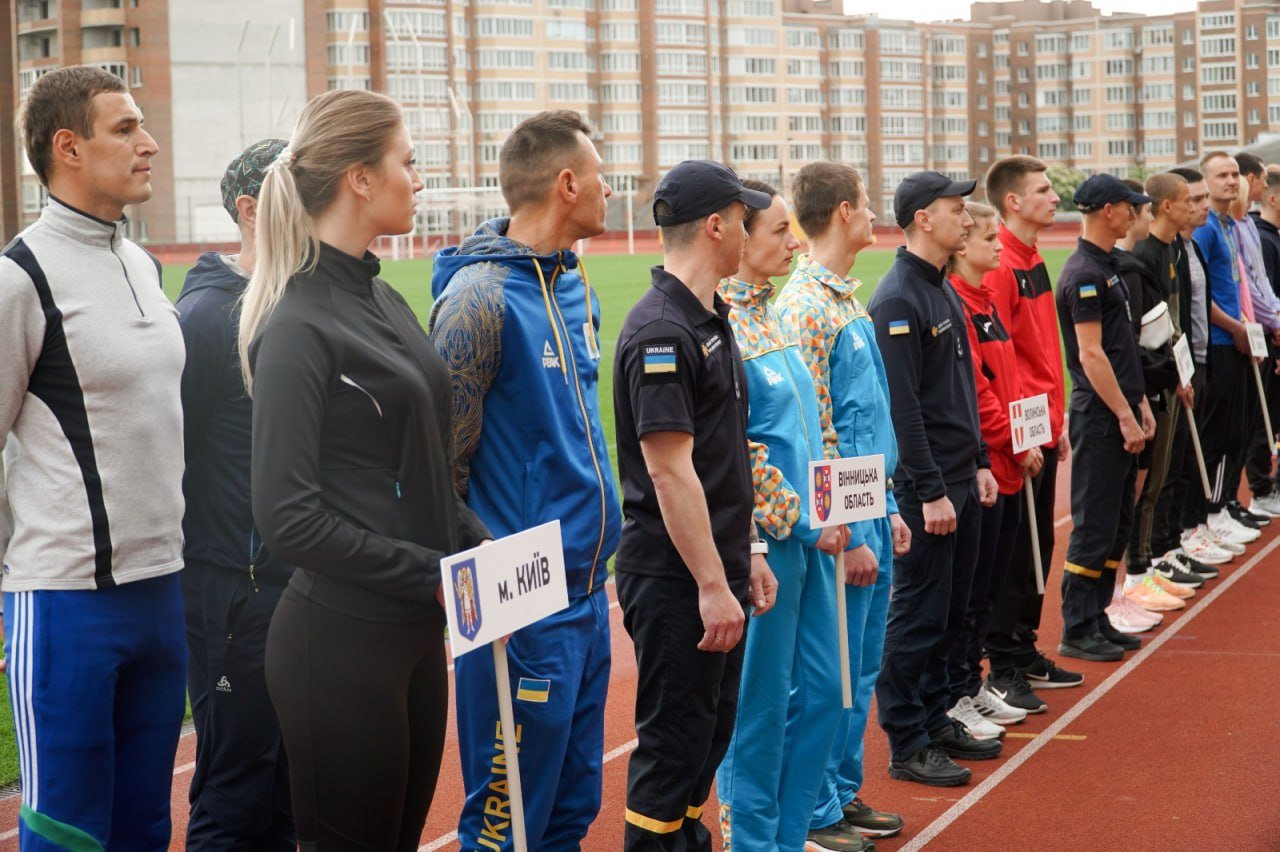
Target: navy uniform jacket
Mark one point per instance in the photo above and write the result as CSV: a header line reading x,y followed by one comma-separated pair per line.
x,y
920,329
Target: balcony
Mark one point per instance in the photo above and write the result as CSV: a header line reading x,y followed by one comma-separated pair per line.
x,y
102,17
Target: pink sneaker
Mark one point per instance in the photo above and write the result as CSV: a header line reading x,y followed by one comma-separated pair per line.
x,y
1124,619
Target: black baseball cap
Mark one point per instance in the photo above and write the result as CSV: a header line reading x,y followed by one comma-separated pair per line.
x,y
921,189
1101,190
697,188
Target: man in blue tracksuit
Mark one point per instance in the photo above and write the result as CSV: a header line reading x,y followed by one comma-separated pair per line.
x,y
240,789
837,341
767,783
517,323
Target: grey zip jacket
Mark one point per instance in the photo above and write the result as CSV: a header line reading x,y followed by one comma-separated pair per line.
x,y
91,360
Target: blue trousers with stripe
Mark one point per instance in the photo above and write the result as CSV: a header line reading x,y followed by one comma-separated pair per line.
x,y
767,784
97,681
559,671
867,611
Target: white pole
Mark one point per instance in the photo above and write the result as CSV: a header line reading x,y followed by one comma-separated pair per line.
x,y
1262,401
509,745
842,633
631,222
1035,533
271,45
244,32
1195,442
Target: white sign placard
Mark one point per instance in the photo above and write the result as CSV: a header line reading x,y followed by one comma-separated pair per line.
x,y
1182,357
1029,422
497,588
1257,339
843,491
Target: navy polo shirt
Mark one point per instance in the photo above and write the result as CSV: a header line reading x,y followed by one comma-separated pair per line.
x,y
920,329
678,369
1090,289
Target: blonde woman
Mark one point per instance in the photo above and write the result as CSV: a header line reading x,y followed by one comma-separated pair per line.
x,y
351,480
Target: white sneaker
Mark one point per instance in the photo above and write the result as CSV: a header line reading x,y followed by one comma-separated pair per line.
x,y
979,728
1201,547
1268,505
995,710
1121,613
1226,528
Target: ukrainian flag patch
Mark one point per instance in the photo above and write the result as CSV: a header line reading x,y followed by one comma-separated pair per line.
x,y
899,327
659,358
534,690
1088,291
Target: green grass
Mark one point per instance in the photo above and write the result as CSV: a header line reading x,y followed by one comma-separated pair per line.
x,y
618,281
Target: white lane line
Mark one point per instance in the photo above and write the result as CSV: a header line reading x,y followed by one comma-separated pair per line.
x,y
939,825
446,839
184,768
1063,521
10,834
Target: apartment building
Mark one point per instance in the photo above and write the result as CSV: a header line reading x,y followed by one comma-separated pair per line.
x,y
764,85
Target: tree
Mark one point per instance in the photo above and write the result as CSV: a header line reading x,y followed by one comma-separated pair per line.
x,y
1065,183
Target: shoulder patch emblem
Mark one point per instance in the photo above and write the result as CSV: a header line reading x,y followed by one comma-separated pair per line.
x,y
899,327
1088,291
659,357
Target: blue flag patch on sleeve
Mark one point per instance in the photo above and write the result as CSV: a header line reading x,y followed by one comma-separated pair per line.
x,y
1088,291
899,327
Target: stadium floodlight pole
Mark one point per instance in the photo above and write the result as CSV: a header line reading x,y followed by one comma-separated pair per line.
x,y
271,45
461,108
244,32
351,49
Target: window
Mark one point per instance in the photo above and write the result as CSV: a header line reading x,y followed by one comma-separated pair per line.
x,y
949,44
849,96
504,58
1225,21
849,152
614,93
569,60
1121,121
1189,148
951,126
1189,64
804,95
506,90
848,124
806,151
420,23
1051,97
1119,94
1251,32
1051,124
1081,70
621,122
1158,119
804,68
682,34
622,152
619,61
752,37
1253,117
1051,150
1120,147
942,73
611,31
805,124
1221,130
1081,96
338,54
561,92
1119,67
1251,60
569,30
904,70
501,122
676,94
1152,92
753,152
951,152
1218,46
899,153
345,20
1082,150
1054,43
1079,42
847,68
1218,102
944,99
847,39
753,65
748,9
1082,122
900,41
680,7
135,37
1119,39
135,77
753,124
1273,28
682,123
1158,34
681,63
1052,71
901,97
504,26
803,38
1157,65
902,125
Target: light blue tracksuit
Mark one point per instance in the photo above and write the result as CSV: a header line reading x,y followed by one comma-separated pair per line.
x,y
789,708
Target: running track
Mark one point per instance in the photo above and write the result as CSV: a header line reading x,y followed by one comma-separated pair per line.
x,y
1175,747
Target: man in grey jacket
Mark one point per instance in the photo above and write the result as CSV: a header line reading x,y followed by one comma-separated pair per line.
x,y
91,506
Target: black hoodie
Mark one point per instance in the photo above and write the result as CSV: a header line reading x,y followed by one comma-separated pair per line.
x,y
1270,238
1159,372
217,417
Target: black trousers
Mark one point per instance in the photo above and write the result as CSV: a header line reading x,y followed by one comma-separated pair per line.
x,y
1159,455
1103,475
363,706
1000,525
1015,615
240,790
927,610
1258,456
686,704
1183,498
1225,425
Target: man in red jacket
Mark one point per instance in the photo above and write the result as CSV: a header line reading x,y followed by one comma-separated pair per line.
x,y
1019,188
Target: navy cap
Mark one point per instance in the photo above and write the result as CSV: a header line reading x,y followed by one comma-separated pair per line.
x,y
921,189
1101,190
697,188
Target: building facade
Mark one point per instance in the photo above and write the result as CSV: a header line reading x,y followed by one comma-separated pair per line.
x,y
764,85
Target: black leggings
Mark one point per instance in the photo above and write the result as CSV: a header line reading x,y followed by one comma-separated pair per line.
x,y
362,707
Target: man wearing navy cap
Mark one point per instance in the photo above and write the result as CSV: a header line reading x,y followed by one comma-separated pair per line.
x,y
941,483
1110,421
686,563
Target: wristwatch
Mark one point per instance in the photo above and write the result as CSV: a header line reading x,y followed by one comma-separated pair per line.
x,y
761,547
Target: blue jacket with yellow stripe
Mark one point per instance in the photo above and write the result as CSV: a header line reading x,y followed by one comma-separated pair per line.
x,y
519,332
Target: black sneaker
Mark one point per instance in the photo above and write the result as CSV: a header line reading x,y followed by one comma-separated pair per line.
x,y
1093,647
959,744
1174,572
1244,516
1044,673
841,837
930,766
871,822
1195,566
1115,637
1012,688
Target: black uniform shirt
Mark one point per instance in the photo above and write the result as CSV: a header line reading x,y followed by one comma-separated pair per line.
x,y
678,369
920,329
1090,289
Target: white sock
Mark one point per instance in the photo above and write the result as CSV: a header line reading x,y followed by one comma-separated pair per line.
x,y
1131,580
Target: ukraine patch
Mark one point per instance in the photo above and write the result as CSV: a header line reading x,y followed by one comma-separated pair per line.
x,y
534,690
899,327
659,358
1088,291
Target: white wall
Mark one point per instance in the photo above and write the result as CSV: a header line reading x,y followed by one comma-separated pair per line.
x,y
221,105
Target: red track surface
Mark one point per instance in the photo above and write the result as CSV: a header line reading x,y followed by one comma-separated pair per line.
x,y
1172,749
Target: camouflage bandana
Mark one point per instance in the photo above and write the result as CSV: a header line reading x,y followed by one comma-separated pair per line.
x,y
244,175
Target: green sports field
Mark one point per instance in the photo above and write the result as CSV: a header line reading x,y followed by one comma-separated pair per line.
x,y
618,280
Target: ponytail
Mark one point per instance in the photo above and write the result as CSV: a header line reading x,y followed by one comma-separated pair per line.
x,y
337,130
